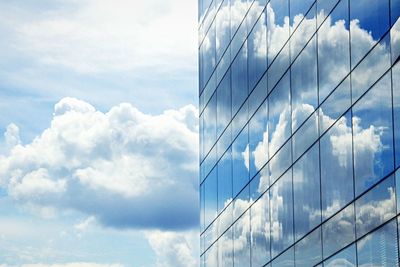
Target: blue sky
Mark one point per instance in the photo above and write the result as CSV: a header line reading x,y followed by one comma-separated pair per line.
x,y
93,98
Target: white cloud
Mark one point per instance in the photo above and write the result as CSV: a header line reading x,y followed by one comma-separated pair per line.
x,y
174,249
124,167
94,36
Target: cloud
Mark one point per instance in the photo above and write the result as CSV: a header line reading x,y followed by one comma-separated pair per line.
x,y
75,264
124,167
174,249
99,36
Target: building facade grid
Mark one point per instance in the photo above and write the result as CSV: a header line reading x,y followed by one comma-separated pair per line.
x,y
299,132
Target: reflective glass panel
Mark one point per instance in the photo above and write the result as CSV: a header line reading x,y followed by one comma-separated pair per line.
x,y
257,43
370,69
396,109
369,21
334,106
224,180
305,136
373,135
306,186
279,115
281,214
376,206
336,167
286,259
225,249
345,258
278,26
280,162
241,242
380,247
223,104
308,251
339,231
222,22
210,197
210,124
240,161
258,139
260,232
304,85
239,79
333,56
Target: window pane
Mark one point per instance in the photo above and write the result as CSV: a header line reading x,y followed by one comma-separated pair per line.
x,y
307,209
240,161
281,214
309,249
324,7
260,232
370,69
373,136
305,136
334,106
223,29
369,21
278,26
305,30
225,249
279,115
333,57
339,231
223,104
336,167
286,259
280,162
345,258
258,139
241,244
396,109
224,180
304,85
380,247
257,43
210,124
210,197
211,256
239,79
376,207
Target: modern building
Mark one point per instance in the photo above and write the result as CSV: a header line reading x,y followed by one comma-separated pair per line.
x,y
299,132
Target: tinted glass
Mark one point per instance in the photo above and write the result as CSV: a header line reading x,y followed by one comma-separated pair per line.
x,y
223,104
239,79
376,206
258,139
309,250
279,115
224,180
369,21
281,214
260,232
210,197
241,242
346,257
380,247
396,109
339,231
373,136
306,183
240,161
304,85
336,167
333,57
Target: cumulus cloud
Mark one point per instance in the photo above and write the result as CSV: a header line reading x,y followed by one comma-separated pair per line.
x,y
124,167
174,249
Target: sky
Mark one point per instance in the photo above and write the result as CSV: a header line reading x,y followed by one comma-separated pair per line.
x,y
98,133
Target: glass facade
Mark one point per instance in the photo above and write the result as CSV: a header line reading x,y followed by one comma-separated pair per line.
x,y
299,132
